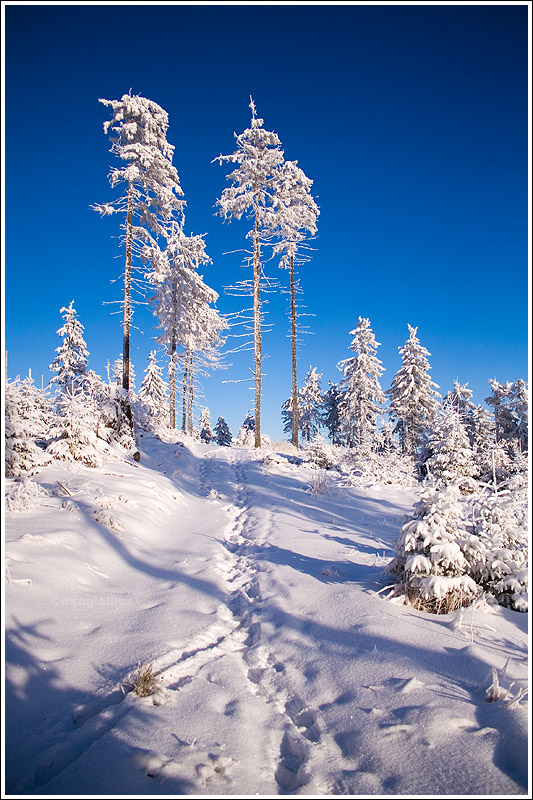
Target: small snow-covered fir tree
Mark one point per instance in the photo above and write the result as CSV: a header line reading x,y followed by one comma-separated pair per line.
x,y
206,431
153,391
74,434
254,185
430,567
414,401
223,433
452,458
72,356
246,434
28,415
321,454
310,404
152,195
332,401
498,548
363,396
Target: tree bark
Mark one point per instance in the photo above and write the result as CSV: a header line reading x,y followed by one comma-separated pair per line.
x,y
191,393
293,343
127,294
184,411
257,332
172,381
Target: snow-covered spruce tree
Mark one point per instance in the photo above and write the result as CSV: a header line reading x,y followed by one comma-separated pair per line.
x,y
27,417
292,221
331,413
223,433
460,399
191,328
310,405
497,549
153,392
520,407
430,568
451,458
152,194
206,431
254,184
246,434
72,356
363,396
321,454
414,401
74,434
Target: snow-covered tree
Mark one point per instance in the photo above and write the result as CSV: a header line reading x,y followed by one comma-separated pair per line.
x,y
363,396
460,399
152,195
430,567
206,431
191,327
254,184
153,390
223,433
310,405
292,221
452,458
414,401
73,437
27,416
72,356
497,550
246,434
331,415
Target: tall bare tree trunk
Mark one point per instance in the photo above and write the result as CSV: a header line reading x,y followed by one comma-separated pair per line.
x,y
184,412
294,376
191,393
257,333
127,295
172,381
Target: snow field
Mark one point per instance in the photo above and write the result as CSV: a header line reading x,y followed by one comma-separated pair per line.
x,y
280,667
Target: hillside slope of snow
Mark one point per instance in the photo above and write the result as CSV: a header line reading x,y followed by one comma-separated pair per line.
x,y
281,668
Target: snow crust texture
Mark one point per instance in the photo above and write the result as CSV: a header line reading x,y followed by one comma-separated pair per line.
x,y
279,666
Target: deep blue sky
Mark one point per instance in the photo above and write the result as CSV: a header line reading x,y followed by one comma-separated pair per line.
x,y
412,122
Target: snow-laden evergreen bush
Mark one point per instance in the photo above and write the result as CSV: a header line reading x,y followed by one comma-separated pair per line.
x,y
73,435
363,467
430,567
320,454
153,395
497,548
27,415
24,495
223,433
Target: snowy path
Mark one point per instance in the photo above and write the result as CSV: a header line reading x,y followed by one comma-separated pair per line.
x,y
281,669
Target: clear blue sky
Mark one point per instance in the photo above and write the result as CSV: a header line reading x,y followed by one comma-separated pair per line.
x,y
412,121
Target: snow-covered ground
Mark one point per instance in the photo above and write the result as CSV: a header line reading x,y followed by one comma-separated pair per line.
x,y
281,669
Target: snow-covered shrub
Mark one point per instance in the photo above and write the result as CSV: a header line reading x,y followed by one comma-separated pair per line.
x,y
246,434
115,421
27,414
497,548
73,436
320,483
24,495
321,454
363,466
430,567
